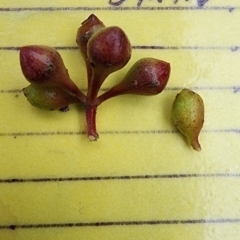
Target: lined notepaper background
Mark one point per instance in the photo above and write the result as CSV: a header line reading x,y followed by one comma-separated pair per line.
x,y
140,180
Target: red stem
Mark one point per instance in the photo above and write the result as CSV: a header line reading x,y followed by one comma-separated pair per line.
x,y
72,88
89,72
112,92
98,78
80,95
91,122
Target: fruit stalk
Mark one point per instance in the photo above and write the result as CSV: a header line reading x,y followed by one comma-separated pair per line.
x,y
91,112
91,106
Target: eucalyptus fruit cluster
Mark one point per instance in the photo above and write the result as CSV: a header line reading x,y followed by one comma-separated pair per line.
x,y
105,50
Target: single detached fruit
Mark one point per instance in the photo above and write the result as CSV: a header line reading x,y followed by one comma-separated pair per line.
x,y
188,115
49,98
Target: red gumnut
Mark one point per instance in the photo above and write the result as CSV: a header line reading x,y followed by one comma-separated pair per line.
x,y
43,65
108,50
148,76
85,31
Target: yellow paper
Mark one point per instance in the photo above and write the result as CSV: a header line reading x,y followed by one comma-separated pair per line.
x,y
141,179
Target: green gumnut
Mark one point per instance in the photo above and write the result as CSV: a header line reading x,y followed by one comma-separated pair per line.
x,y
188,115
49,98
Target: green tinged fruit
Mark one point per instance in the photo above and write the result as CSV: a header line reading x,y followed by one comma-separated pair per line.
x,y
49,98
188,115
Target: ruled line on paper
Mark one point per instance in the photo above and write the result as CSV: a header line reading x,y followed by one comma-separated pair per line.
x,y
232,48
235,89
123,177
143,47
120,223
111,132
134,8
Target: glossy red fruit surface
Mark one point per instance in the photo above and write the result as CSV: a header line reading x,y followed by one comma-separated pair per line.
x,y
43,65
109,49
40,63
148,76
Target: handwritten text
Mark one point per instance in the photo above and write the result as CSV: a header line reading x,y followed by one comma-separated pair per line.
x,y
200,3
